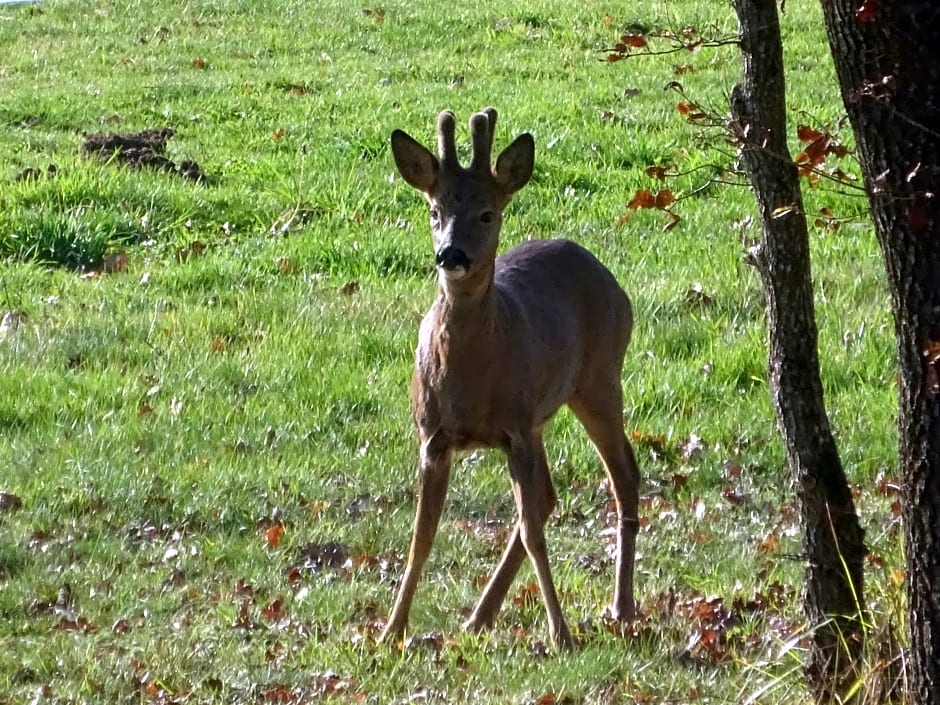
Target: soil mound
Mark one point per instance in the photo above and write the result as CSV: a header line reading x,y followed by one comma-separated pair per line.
x,y
139,150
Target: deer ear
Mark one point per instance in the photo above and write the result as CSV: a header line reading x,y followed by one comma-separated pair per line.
x,y
415,163
514,165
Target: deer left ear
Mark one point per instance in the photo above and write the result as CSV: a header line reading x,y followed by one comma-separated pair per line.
x,y
415,163
515,164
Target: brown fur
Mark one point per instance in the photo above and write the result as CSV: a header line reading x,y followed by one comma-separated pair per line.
x,y
506,343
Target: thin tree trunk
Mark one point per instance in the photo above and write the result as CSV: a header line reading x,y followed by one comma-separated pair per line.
x,y
833,539
885,53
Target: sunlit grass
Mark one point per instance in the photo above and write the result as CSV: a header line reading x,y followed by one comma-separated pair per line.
x,y
249,367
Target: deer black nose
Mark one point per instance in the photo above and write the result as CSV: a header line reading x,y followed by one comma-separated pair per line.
x,y
451,257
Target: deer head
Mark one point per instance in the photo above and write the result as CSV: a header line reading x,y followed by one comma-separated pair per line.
x,y
466,204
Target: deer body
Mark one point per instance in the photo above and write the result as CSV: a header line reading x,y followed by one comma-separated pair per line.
x,y
508,341
528,347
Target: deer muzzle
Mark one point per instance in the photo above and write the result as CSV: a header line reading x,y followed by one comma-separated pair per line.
x,y
453,261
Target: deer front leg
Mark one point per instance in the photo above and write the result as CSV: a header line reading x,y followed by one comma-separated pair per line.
x,y
530,492
484,614
434,474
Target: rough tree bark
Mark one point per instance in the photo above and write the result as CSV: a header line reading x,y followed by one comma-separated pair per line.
x,y
885,53
833,539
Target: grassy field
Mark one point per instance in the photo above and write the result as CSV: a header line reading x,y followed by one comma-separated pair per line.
x,y
205,439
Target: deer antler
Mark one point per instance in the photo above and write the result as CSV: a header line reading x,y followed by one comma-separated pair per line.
x,y
482,129
446,145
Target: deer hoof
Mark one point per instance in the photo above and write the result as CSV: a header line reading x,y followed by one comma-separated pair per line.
x,y
563,640
477,625
622,614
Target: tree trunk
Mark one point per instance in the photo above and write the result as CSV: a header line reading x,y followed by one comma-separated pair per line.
x,y
833,539
885,53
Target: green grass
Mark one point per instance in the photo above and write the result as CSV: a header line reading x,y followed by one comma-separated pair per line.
x,y
249,367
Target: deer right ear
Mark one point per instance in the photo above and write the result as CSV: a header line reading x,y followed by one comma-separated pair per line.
x,y
415,163
515,164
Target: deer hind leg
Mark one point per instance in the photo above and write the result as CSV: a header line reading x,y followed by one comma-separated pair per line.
x,y
531,494
601,412
484,614
434,474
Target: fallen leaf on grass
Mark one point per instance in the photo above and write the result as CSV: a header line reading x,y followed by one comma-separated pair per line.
x,y
769,543
527,595
274,611
641,697
633,40
369,629
888,486
322,685
294,574
243,618
734,497
244,588
286,266
656,443
272,536
896,509
733,468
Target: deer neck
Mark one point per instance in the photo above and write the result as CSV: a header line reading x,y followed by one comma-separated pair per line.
x,y
467,308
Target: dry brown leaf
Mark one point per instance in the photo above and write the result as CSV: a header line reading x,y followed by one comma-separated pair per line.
x,y
273,535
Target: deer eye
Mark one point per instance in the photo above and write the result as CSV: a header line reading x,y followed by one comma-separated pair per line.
x,y
486,217
435,214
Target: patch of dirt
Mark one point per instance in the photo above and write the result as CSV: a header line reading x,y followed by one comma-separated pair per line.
x,y
140,150
34,174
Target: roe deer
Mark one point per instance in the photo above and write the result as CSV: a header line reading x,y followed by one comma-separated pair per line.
x,y
507,342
